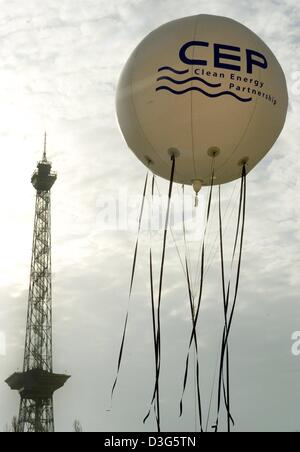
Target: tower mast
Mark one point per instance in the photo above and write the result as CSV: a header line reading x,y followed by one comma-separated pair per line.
x,y
37,383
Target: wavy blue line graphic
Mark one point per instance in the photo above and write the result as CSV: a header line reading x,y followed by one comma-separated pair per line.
x,y
194,88
168,68
191,79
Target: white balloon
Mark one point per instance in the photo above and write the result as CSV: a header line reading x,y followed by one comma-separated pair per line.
x,y
203,85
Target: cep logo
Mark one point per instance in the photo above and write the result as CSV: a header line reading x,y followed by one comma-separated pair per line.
x,y
221,58
237,73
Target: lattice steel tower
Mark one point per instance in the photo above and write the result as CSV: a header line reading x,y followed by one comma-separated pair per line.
x,y
37,383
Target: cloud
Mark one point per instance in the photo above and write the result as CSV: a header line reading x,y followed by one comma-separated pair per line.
x,y
59,66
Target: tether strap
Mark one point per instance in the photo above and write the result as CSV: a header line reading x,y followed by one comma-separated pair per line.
x,y
131,286
153,308
228,320
196,316
226,387
156,394
192,307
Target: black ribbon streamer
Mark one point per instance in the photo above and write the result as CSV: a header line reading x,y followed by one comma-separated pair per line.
x,y
226,383
196,316
157,324
131,286
192,307
153,315
229,317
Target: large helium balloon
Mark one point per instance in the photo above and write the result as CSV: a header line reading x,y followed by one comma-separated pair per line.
x,y
199,87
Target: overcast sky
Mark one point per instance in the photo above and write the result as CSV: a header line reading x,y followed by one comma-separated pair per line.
x,y
59,64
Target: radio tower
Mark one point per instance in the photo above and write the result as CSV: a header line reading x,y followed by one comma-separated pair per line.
x,y
37,383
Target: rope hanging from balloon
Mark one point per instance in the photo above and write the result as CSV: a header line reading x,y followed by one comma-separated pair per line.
x,y
223,381
131,286
192,308
226,380
195,316
157,319
154,330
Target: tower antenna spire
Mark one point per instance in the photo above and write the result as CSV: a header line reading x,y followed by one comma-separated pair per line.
x,y
45,148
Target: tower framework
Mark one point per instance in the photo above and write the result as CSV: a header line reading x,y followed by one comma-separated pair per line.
x,y
37,383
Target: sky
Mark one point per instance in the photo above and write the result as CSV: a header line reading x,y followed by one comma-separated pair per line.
x,y
60,61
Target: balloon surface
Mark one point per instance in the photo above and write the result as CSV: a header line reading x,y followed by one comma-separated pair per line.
x,y
202,85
